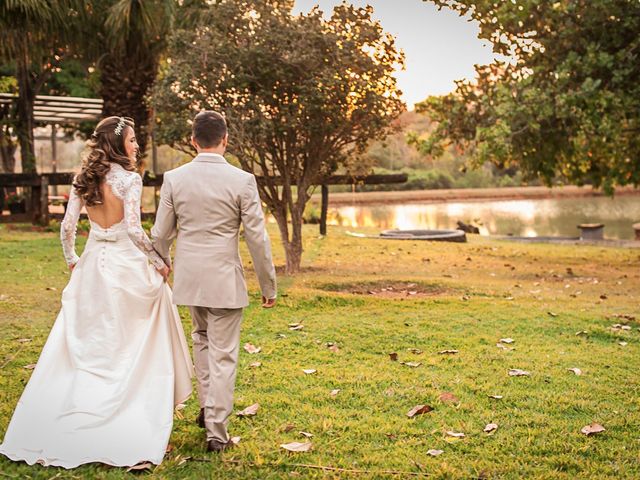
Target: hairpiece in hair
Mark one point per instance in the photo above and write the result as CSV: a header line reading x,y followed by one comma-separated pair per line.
x,y
119,127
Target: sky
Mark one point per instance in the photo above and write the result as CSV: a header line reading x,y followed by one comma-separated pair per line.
x,y
440,46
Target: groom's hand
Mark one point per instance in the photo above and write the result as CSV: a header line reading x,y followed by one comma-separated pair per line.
x,y
268,303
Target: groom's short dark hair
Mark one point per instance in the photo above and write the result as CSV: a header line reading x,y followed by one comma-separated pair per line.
x,y
209,128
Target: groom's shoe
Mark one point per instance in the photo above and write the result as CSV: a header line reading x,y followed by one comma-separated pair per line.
x,y
200,419
216,446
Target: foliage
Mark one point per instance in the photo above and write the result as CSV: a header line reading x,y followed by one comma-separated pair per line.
x,y
365,425
14,197
303,95
566,102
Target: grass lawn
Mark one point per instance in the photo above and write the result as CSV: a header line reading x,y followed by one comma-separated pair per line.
x,y
444,296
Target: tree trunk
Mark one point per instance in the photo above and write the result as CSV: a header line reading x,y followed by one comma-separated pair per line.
x,y
292,246
24,115
124,89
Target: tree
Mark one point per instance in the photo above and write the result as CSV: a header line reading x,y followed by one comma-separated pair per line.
x,y
303,95
563,104
127,38
33,36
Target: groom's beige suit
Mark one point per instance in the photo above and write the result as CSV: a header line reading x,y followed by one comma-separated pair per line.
x,y
203,204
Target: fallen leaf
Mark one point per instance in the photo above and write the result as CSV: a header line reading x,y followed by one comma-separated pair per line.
x,y
334,348
419,410
448,397
507,340
31,366
306,434
297,446
582,332
296,326
309,371
235,440
140,467
515,372
491,427
415,351
577,371
288,427
503,347
496,397
603,297
281,335
412,364
455,434
448,352
393,356
552,314
182,460
54,289
255,364
249,411
334,392
24,340
622,344
592,429
251,348
434,453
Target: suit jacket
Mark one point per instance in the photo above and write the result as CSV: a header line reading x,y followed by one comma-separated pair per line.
x,y
203,204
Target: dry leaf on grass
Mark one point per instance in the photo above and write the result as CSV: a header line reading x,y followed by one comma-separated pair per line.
x,y
496,397
334,348
453,434
515,372
140,467
180,460
448,397
552,314
296,326
306,434
251,348
31,366
412,364
592,429
235,440
582,332
334,392
24,340
622,344
249,411
491,427
419,410
448,352
393,356
255,364
507,340
434,453
415,351
577,371
503,347
309,371
297,446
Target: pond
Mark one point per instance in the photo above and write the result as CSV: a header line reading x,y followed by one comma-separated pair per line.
x,y
527,218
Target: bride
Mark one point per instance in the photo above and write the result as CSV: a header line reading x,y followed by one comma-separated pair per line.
x,y
116,361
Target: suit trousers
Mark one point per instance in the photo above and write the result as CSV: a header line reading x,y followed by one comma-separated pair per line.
x,y
216,345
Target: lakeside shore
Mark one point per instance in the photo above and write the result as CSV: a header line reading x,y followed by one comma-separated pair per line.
x,y
465,195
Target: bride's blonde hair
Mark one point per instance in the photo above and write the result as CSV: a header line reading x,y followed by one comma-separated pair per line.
x,y
106,146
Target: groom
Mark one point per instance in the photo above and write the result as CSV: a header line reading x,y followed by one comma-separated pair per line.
x,y
203,204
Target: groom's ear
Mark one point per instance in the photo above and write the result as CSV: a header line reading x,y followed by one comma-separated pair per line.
x,y
194,143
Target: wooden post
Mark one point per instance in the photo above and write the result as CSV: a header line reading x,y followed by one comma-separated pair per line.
x,y
54,155
324,209
40,202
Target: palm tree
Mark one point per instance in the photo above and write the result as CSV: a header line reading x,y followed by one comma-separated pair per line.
x,y
33,37
130,38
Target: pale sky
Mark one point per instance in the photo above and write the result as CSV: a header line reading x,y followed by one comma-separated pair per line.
x,y
439,46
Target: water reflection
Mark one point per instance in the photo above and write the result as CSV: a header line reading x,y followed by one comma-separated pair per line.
x,y
530,218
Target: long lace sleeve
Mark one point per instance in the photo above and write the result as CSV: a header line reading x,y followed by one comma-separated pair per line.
x,y
68,228
134,226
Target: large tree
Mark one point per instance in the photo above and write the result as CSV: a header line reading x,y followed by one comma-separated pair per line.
x,y
564,101
303,95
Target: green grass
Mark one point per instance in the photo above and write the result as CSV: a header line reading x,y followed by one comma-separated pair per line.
x,y
475,294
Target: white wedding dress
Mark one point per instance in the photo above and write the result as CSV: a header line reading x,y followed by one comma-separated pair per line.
x,y
116,361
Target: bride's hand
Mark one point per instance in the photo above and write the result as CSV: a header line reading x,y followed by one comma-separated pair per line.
x,y
164,271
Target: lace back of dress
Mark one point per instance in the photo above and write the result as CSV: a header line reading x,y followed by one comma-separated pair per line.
x,y
118,179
